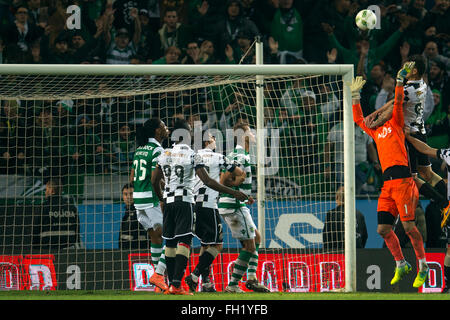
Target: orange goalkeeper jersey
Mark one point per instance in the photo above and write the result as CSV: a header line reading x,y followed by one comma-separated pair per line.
x,y
389,138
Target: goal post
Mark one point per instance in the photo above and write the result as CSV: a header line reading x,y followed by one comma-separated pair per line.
x,y
181,86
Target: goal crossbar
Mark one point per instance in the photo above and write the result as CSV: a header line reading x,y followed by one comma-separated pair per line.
x,y
343,70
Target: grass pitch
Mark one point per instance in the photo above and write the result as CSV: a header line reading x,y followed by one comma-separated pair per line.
x,y
130,295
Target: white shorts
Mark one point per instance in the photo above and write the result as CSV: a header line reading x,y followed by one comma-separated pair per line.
x,y
240,223
150,217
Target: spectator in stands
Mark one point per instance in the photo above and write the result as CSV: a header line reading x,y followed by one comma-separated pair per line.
x,y
310,134
12,138
85,149
439,79
123,47
208,53
43,145
374,53
19,36
82,46
204,16
192,54
243,53
59,53
333,230
287,30
367,166
37,13
431,52
125,14
56,224
438,131
373,86
438,16
230,27
171,56
173,33
132,234
149,44
123,148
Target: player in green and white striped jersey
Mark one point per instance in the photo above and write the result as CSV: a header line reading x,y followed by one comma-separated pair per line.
x,y
237,215
146,202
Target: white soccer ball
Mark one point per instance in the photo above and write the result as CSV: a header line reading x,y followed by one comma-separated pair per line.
x,y
366,19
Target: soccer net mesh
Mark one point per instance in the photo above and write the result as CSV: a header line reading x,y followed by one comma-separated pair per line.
x,y
67,144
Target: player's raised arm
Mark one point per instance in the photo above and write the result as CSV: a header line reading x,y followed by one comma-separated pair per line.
x,y
422,147
355,87
213,184
397,114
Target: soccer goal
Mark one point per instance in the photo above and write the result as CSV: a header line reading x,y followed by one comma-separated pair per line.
x,y
68,133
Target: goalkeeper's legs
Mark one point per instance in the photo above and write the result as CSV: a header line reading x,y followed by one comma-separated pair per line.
x,y
393,244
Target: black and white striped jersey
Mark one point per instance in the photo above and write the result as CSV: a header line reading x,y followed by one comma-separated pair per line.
x,y
179,164
444,154
214,163
415,92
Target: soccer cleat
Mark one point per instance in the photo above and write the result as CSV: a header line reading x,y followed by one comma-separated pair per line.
x,y
420,278
255,286
400,273
233,289
158,280
208,287
190,283
445,214
179,291
445,290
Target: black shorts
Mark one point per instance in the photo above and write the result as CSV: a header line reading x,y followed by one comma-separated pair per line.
x,y
415,157
178,220
208,225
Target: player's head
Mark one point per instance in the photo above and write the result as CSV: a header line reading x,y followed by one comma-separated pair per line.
x,y
419,67
181,131
127,194
152,128
53,187
340,196
243,136
210,142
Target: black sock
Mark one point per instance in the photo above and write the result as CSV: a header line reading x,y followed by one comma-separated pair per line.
x,y
430,193
180,267
204,262
447,276
170,263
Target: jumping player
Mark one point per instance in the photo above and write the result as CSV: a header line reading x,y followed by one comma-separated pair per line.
x,y
149,213
208,224
178,166
443,154
238,218
399,194
430,184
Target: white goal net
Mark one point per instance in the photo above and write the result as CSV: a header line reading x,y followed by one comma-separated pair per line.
x,y
72,133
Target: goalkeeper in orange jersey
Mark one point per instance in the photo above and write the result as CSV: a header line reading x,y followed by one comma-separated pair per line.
x,y
399,194
443,154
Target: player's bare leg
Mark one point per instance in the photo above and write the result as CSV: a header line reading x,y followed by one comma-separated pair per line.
x,y
157,256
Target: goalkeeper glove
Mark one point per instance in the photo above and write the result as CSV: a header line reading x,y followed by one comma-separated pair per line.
x,y
403,72
356,86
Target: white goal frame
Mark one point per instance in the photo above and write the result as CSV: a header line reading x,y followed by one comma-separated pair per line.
x,y
259,71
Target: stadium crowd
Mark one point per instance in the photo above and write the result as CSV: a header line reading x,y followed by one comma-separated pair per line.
x,y
216,32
